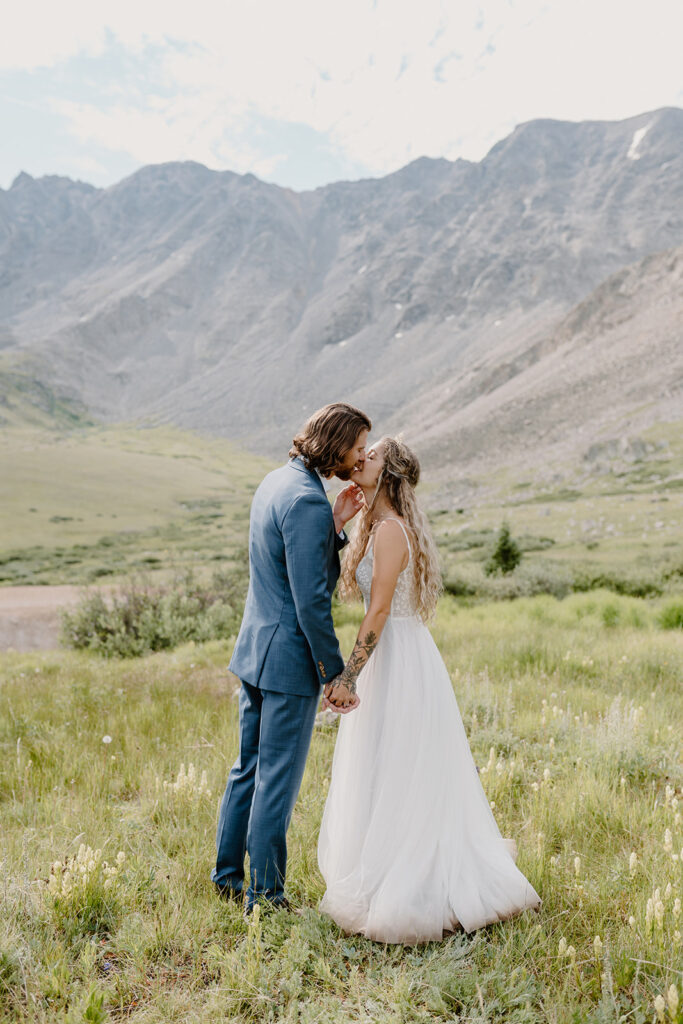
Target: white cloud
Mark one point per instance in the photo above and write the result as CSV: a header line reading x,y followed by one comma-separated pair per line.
x,y
385,82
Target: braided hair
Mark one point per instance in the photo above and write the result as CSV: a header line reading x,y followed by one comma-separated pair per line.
x,y
397,481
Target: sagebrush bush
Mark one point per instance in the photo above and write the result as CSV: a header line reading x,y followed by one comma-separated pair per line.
x,y
146,617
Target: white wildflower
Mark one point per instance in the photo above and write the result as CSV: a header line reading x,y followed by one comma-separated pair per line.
x,y
562,946
660,1006
672,1000
633,863
597,945
668,841
577,866
106,739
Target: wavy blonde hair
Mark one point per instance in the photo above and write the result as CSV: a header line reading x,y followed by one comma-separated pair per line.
x,y
398,479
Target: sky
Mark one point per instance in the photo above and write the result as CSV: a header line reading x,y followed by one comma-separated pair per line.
x,y
304,92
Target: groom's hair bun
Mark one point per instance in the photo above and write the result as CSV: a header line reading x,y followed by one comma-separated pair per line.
x,y
328,435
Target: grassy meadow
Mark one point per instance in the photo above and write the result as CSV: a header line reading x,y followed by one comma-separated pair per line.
x,y
95,503
620,520
112,770
573,710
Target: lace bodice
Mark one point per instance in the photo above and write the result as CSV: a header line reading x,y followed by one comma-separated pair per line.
x,y
403,603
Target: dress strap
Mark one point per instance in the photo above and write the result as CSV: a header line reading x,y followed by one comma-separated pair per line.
x,y
405,533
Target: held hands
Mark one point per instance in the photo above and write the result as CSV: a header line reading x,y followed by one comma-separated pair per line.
x,y
339,698
349,501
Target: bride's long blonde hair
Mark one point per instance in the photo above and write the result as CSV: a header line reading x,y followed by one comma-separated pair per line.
x,y
397,481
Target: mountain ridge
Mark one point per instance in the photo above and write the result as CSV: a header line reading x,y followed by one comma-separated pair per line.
x,y
223,303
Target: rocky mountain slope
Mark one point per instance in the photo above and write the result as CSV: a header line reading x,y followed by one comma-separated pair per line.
x,y
457,300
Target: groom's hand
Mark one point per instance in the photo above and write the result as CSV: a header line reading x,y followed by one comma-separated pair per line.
x,y
349,501
339,699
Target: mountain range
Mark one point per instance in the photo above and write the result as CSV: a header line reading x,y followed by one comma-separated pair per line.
x,y
525,307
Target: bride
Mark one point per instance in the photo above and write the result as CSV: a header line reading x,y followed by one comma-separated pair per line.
x,y
408,847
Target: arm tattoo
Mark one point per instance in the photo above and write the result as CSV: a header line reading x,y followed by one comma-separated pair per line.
x,y
359,658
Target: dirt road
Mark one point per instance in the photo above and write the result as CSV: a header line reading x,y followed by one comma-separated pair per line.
x,y
30,616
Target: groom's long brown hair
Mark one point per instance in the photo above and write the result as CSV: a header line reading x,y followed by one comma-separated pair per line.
x,y
328,435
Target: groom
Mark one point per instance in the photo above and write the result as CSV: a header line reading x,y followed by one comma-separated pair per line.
x,y
286,649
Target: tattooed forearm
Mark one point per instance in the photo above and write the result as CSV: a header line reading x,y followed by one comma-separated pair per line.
x,y
359,657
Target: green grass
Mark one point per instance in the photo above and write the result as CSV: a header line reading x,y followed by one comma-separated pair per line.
x,y
84,504
573,712
626,521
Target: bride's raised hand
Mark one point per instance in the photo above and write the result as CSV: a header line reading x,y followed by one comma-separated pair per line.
x,y
349,501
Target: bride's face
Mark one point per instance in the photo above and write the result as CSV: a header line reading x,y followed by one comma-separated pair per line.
x,y
372,467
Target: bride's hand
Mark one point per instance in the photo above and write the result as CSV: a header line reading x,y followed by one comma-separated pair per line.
x,y
349,501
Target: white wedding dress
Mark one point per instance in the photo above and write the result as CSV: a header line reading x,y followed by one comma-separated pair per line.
x,y
408,847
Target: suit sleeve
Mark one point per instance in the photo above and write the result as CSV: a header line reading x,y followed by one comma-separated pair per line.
x,y
340,540
307,531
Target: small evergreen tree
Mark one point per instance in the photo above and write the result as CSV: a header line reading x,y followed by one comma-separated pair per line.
x,y
506,555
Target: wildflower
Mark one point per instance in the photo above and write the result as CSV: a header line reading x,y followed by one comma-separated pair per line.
x,y
649,913
106,739
551,742
534,786
597,945
553,862
577,866
676,911
622,782
668,794
672,1000
660,1006
562,946
186,784
633,863
667,893
659,914
571,953
668,841
546,774
631,921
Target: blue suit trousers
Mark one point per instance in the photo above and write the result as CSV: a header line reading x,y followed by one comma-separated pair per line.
x,y
264,782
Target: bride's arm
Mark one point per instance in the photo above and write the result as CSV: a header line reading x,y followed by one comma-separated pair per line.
x,y
389,559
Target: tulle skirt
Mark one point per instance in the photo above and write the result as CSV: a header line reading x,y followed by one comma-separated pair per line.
x,y
408,846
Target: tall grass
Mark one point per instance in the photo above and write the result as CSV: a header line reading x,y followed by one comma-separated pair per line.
x,y
573,712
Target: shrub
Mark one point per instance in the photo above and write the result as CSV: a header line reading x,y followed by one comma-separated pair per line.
x,y
459,587
544,578
630,585
506,555
671,616
145,617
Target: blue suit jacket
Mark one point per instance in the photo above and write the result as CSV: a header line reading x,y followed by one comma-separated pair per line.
x,y
287,641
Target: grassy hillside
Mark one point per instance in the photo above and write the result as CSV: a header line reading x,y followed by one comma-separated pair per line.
x,y
615,516
81,502
96,501
573,714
